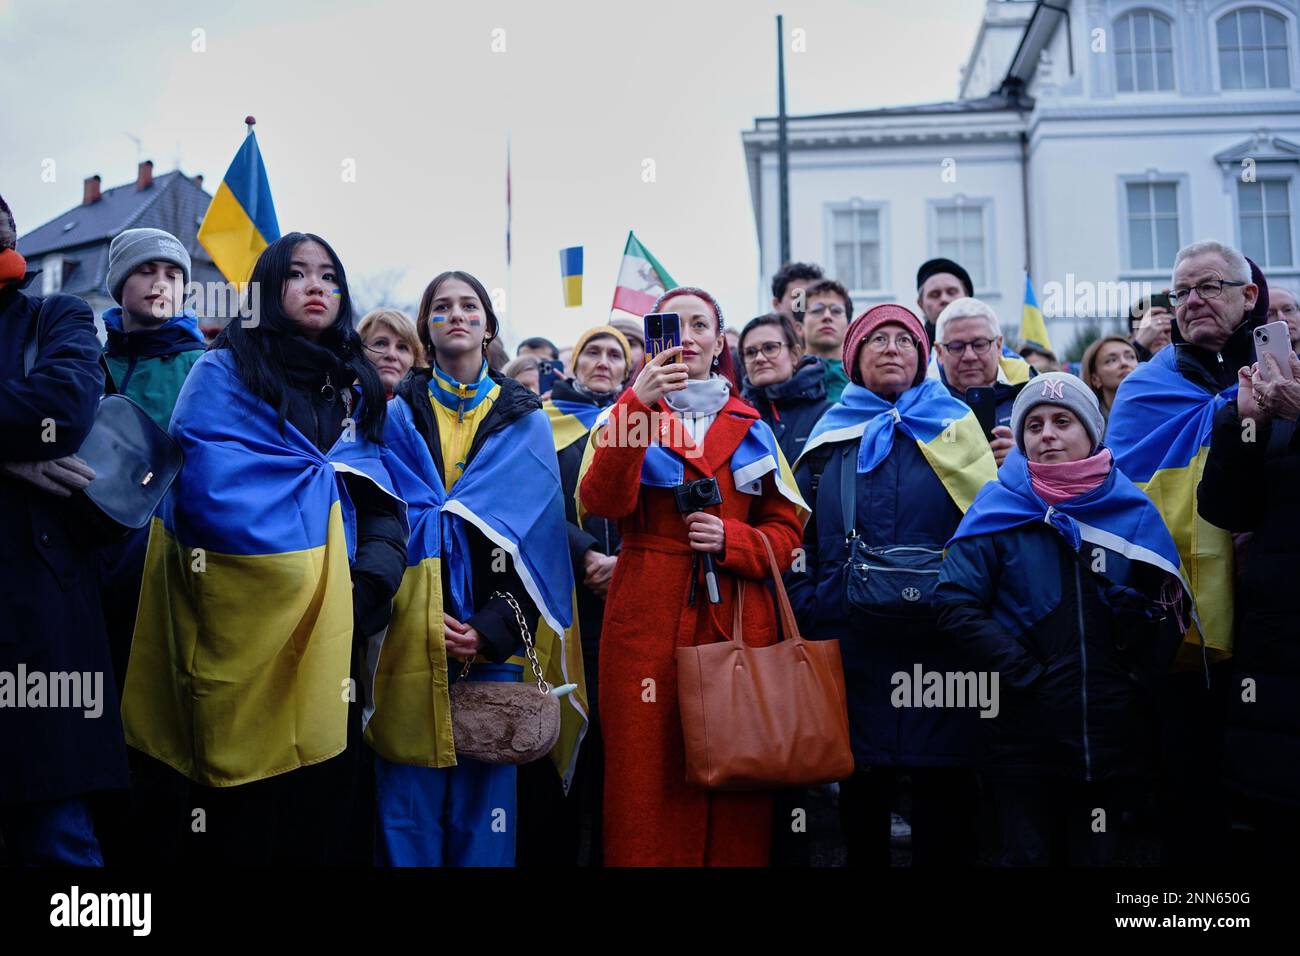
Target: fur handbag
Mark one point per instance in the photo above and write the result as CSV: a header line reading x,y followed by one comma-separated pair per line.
x,y
505,722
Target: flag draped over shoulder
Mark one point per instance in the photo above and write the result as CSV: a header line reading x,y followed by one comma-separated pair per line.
x,y
500,495
240,221
569,420
945,429
664,466
1159,433
1115,515
242,650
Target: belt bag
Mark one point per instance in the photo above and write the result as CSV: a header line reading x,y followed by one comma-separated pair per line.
x,y
895,581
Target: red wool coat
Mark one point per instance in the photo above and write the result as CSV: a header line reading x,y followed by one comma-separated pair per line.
x,y
652,816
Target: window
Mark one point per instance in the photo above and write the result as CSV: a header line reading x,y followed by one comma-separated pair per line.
x,y
1144,53
1253,51
1152,224
1265,211
855,237
51,274
959,236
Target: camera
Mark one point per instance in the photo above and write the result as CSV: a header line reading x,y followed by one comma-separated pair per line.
x,y
697,495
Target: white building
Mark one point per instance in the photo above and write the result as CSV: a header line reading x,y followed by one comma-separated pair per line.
x,y
1089,140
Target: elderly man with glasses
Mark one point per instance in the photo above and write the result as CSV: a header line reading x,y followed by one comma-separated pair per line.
x,y
970,357
1160,432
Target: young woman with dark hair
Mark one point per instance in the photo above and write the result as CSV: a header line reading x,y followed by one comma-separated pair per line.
x,y
279,541
471,453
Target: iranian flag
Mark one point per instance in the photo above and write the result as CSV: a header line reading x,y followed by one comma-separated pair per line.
x,y
641,280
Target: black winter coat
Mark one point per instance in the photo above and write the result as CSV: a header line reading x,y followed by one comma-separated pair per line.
x,y
494,621
900,502
791,408
594,534
50,618
1255,487
1076,651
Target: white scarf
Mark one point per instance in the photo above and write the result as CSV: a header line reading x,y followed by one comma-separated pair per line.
x,y
699,403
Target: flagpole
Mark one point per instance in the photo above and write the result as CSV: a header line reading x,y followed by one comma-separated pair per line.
x,y
249,123
508,340
782,145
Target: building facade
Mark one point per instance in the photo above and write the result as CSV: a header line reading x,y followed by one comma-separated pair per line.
x,y
1088,141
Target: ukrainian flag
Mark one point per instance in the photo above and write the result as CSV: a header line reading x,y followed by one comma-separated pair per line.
x,y
1032,327
571,274
240,221
945,429
1159,433
569,420
510,493
242,650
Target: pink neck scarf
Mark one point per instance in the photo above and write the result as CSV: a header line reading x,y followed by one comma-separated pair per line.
x,y
1060,481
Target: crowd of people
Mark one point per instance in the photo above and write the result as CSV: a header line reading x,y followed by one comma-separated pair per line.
x,y
377,516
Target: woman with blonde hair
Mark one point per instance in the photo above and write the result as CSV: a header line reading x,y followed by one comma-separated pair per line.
x,y
392,345
1106,363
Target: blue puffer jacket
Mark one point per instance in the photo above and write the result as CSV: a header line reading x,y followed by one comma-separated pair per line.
x,y
901,502
1077,642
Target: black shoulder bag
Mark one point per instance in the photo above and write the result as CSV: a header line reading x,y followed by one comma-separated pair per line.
x,y
135,461
896,581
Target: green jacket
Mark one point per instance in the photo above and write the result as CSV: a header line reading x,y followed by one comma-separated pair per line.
x,y
149,366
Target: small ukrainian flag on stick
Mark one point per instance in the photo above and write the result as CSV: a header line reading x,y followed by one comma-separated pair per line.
x,y
571,275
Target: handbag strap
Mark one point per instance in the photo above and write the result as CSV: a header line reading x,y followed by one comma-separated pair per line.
x,y
789,625
849,492
529,647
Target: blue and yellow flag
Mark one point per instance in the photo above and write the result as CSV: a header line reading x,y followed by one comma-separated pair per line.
x,y
569,420
1159,432
1116,515
945,429
1033,330
510,493
571,274
240,221
757,455
242,650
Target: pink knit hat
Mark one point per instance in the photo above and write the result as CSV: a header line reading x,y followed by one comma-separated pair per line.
x,y
874,318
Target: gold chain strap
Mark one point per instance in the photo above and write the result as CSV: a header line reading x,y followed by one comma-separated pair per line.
x,y
529,649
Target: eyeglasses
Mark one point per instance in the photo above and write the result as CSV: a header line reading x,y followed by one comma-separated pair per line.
x,y
770,351
1206,290
881,341
1286,310
981,347
835,311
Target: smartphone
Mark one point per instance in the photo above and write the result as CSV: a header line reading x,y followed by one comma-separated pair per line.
x,y
548,372
663,330
1274,338
984,403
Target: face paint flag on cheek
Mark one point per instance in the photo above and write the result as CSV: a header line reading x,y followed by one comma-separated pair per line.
x,y
336,293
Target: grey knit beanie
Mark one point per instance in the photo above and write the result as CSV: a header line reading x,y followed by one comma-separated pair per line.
x,y
137,246
1058,388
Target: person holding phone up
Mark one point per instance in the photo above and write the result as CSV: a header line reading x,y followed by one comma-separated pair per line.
x,y
1249,485
680,422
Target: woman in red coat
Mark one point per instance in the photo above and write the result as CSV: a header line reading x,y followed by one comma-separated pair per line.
x,y
658,599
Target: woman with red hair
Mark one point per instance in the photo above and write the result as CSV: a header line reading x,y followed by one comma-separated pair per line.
x,y
680,423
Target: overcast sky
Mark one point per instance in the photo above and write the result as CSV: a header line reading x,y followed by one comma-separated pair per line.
x,y
415,95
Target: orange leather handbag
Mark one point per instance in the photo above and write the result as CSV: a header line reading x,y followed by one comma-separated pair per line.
x,y
757,718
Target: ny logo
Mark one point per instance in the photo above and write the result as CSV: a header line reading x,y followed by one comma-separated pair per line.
x,y
1054,389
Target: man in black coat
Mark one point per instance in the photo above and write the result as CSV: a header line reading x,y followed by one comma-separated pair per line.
x,y
60,728
1250,485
